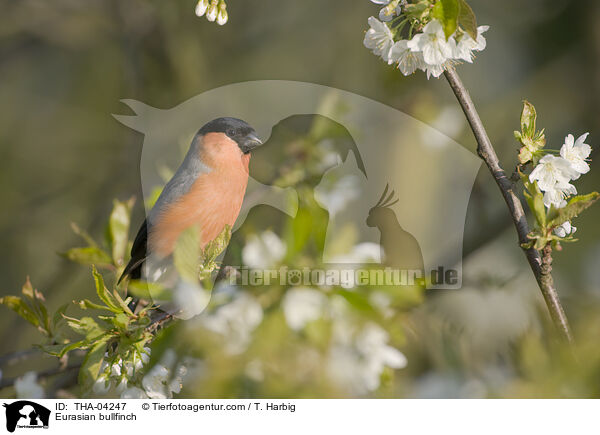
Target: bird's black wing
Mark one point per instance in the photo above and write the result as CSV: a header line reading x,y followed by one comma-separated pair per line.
x,y
138,254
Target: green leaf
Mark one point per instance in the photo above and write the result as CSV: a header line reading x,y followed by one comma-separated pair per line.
x,y
124,308
20,307
88,255
86,326
103,293
59,350
446,12
186,255
359,301
535,200
215,247
540,243
118,229
30,307
36,302
466,19
149,290
574,207
87,304
83,234
90,369
416,10
121,321
298,233
528,118
58,317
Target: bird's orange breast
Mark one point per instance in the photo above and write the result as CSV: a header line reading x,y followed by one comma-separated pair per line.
x,y
214,200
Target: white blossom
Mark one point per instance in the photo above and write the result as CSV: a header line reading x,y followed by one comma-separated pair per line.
x,y
102,385
161,381
190,299
429,50
558,195
138,363
115,369
553,175
264,251
391,9
382,302
176,383
564,229
129,368
434,70
145,356
407,60
366,252
550,171
379,39
134,393
254,370
27,387
303,305
155,381
337,195
463,49
235,321
357,359
432,43
372,342
576,152
122,386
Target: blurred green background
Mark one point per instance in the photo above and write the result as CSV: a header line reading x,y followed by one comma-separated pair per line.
x,y
65,64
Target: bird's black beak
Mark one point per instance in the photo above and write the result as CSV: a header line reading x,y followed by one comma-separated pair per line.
x,y
250,142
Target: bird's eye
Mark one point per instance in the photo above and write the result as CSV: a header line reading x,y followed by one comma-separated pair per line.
x,y
231,132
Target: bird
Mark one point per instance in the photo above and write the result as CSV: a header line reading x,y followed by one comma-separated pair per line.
x,y
206,190
400,248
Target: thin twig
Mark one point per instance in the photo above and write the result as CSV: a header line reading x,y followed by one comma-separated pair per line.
x,y
9,382
20,355
486,151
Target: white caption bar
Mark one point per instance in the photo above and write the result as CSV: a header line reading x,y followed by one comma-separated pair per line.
x,y
301,416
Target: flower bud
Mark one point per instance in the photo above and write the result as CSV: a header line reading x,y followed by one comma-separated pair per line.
x,y
115,369
213,10
101,386
222,16
201,7
122,386
145,356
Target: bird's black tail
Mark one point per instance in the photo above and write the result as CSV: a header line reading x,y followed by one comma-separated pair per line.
x,y
138,254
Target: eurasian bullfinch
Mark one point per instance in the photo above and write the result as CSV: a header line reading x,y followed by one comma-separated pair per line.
x,y
207,190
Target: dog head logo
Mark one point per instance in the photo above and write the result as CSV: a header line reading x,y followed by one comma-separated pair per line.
x,y
26,414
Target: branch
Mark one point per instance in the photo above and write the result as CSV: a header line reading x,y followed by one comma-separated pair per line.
x,y
158,321
15,357
486,151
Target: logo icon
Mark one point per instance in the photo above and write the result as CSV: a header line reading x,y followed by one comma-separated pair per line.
x,y
26,414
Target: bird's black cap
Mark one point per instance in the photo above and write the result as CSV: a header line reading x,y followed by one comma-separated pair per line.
x,y
236,129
